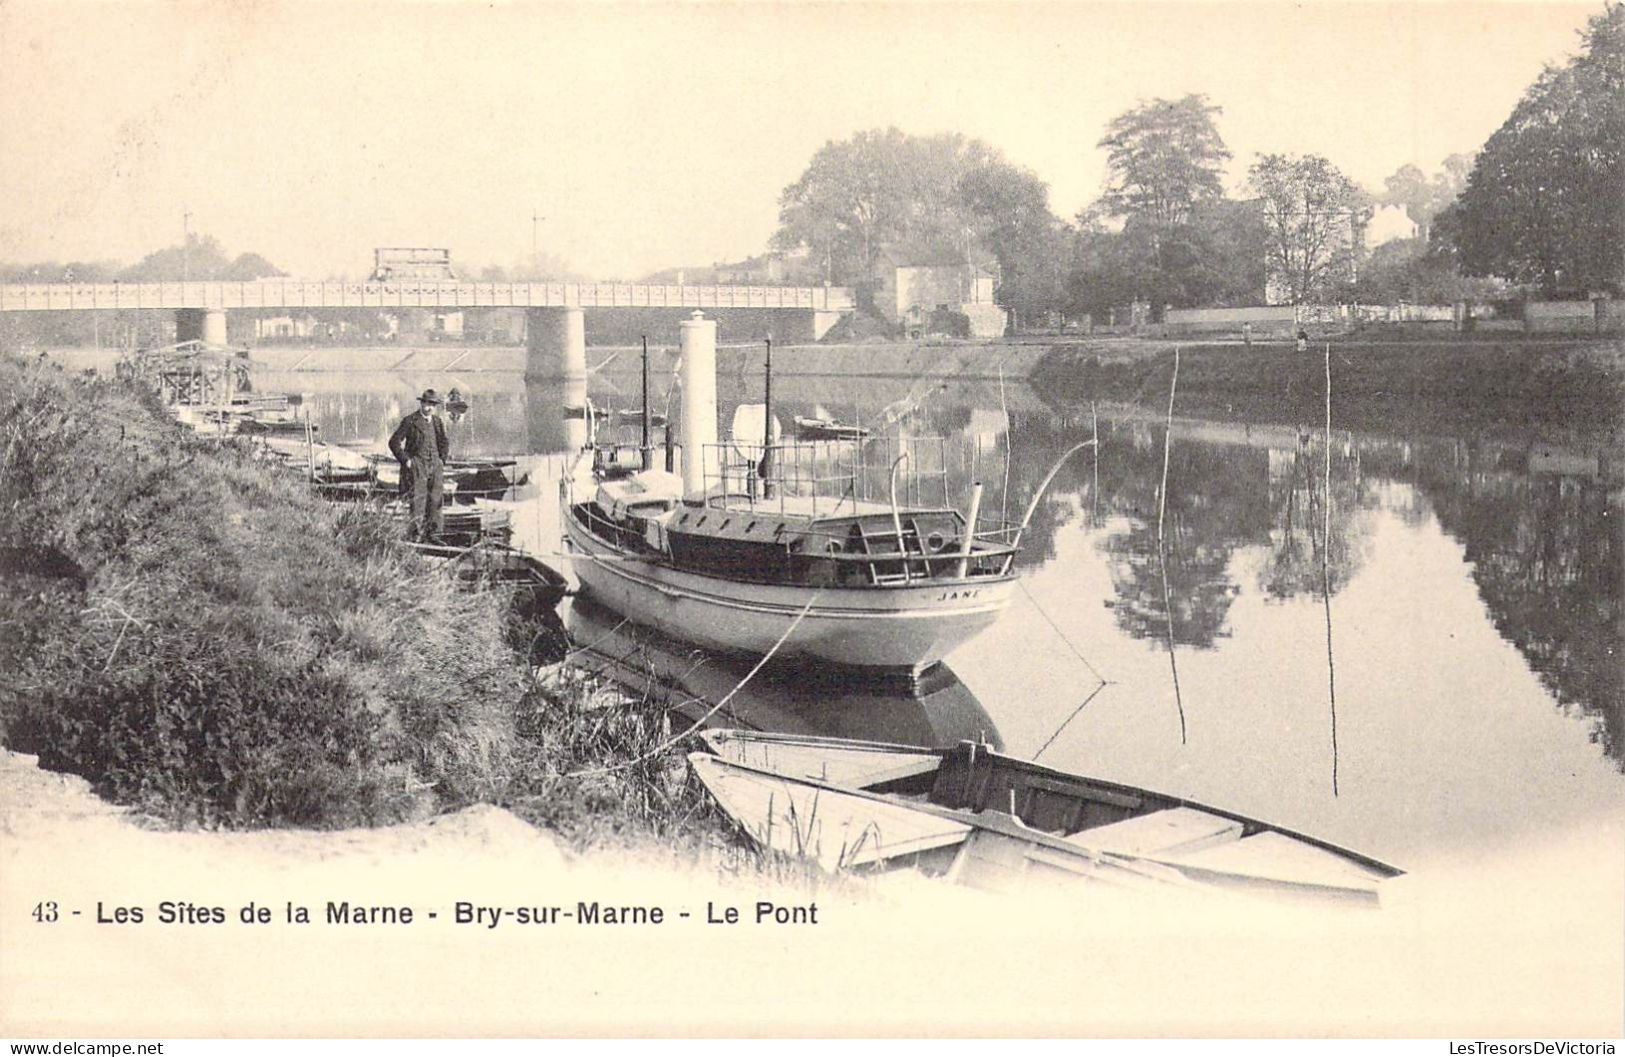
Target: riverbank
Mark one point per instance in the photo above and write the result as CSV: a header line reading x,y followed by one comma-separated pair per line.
x,y
210,645
1378,385
935,359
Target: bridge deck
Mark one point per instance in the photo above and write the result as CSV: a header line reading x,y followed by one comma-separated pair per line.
x,y
295,293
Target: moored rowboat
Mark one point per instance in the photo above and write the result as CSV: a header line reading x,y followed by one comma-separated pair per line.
x,y
984,819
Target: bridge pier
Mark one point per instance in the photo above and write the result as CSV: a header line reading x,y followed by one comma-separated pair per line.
x,y
556,344
819,322
200,324
556,378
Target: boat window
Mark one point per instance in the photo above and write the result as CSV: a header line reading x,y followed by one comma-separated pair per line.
x,y
724,524
700,522
751,527
935,541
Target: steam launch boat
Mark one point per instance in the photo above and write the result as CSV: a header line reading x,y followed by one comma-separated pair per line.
x,y
825,550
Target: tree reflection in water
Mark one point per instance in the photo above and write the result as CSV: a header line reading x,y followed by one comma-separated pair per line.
x,y
1543,549
1297,534
1217,502
1545,552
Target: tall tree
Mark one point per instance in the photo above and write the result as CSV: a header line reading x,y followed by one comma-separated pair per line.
x,y
1423,197
877,189
1229,241
1410,188
1544,202
1313,215
252,266
942,196
1452,180
1163,158
200,257
1163,163
1007,212
1105,266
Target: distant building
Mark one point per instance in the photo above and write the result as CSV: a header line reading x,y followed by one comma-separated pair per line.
x,y
1387,224
765,270
910,290
395,263
285,327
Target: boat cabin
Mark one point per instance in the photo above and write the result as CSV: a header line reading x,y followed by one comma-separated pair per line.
x,y
803,521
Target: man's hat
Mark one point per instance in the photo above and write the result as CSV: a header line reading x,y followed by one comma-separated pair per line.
x,y
429,397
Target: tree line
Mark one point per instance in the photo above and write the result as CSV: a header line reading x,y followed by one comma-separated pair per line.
x,y
1537,211
199,257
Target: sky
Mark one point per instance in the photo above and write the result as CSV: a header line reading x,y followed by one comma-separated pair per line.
x,y
660,134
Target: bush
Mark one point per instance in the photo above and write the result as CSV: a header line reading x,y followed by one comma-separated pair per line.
x,y
202,637
199,636
947,321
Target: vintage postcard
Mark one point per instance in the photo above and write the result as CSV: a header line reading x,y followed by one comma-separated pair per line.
x,y
942,519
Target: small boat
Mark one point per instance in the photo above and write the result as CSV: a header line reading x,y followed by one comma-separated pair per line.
x,y
464,525
975,816
808,428
257,425
494,562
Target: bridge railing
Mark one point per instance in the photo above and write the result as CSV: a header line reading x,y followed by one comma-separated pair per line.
x,y
297,293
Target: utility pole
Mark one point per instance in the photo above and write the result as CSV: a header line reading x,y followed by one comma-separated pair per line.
x,y
186,244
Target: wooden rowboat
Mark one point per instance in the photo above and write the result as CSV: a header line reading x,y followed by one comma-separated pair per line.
x,y
975,816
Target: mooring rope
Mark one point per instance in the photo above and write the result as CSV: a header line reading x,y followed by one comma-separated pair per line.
x,y
1068,720
1057,628
719,706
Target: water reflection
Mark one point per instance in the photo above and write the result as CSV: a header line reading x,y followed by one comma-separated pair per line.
x,y
940,711
1477,542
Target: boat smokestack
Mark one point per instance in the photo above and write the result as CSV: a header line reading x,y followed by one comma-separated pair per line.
x,y
969,542
697,338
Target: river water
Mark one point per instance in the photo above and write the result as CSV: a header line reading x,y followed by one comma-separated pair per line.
x,y
1419,660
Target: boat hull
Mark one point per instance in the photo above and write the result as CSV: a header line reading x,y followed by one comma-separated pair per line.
x,y
893,627
972,815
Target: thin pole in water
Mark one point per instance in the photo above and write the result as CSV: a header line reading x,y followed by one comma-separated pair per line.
x,y
648,449
1094,495
764,468
1325,565
1162,556
1004,489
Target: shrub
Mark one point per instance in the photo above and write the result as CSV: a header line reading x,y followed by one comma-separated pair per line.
x,y
231,650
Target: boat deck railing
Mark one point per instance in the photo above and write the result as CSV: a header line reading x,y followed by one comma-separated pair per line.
x,y
904,481
828,478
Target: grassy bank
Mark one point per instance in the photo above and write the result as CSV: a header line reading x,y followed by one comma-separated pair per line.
x,y
200,637
1375,384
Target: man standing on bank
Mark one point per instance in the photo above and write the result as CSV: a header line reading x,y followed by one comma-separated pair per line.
x,y
421,446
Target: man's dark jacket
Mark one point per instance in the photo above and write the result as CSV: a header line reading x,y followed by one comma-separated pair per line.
x,y
420,439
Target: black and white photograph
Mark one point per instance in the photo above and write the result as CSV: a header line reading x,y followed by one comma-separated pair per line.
x,y
792,519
